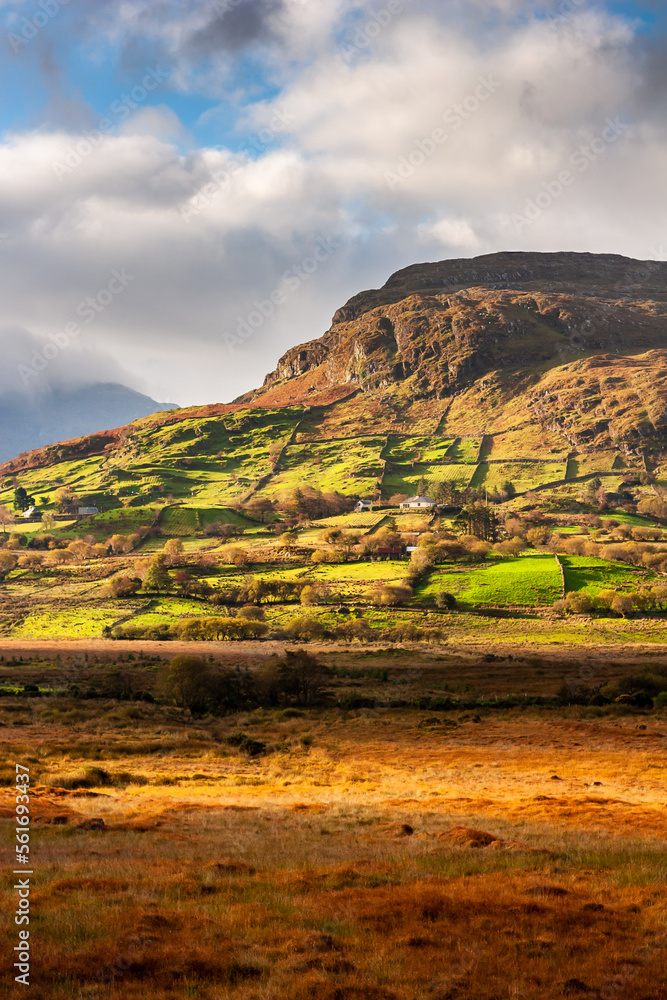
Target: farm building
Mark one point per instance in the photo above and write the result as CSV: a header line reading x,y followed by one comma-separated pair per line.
x,y
414,503
82,511
30,512
362,505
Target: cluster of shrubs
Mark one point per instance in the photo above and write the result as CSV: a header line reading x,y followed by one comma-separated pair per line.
x,y
643,691
115,684
191,683
645,600
635,550
249,624
45,551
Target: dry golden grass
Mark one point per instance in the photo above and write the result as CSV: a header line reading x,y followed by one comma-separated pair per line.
x,y
394,858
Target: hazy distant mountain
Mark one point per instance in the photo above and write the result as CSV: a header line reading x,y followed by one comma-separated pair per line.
x,y
28,422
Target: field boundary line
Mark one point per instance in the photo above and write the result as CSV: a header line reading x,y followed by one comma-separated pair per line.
x,y
562,574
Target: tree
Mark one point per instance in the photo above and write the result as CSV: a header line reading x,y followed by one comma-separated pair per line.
x,y
125,586
183,579
80,551
510,547
357,630
390,595
303,677
305,629
447,493
219,530
6,517
331,535
604,599
56,557
289,539
64,500
309,595
622,605
21,499
251,614
157,576
421,562
218,628
479,550
48,521
660,595
173,551
579,603
184,682
654,506
347,542
260,508
479,520
119,544
7,564
446,551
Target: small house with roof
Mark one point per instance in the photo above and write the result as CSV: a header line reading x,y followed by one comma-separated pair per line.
x,y
417,503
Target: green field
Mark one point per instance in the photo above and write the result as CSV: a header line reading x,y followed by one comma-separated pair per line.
x,y
530,580
167,610
464,451
417,449
83,622
603,461
350,466
365,521
590,575
407,479
524,475
184,521
524,444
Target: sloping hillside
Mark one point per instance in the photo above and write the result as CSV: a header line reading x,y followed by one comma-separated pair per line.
x,y
529,368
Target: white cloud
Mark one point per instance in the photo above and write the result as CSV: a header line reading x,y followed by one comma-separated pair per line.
x,y
202,256
452,233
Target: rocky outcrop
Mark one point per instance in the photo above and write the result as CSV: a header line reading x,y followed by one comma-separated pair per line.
x,y
437,330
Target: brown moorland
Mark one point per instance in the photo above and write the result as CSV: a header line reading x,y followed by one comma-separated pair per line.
x,y
372,852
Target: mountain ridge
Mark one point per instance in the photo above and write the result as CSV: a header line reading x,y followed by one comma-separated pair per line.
x,y
434,331
535,360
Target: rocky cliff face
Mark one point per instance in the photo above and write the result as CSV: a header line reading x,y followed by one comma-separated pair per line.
x,y
553,353
566,327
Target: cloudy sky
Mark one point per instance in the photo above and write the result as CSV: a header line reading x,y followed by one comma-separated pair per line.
x,y
188,188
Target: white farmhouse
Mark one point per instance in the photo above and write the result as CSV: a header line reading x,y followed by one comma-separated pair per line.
x,y
417,503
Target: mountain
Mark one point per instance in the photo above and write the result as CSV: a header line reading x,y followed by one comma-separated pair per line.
x,y
28,422
573,343
539,369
